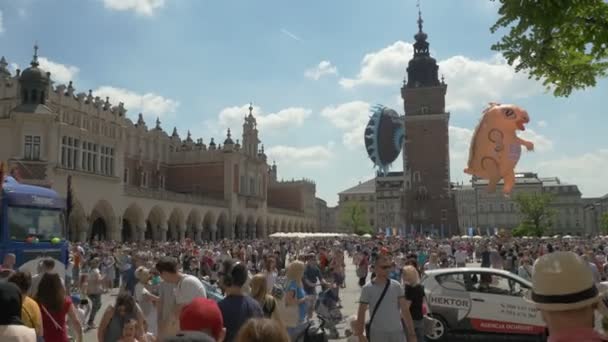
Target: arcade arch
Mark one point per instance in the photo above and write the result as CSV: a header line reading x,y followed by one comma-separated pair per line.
x,y
133,222
176,225
156,224
102,219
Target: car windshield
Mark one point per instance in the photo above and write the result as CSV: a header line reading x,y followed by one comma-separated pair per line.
x,y
45,224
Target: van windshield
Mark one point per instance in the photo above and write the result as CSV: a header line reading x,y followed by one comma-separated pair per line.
x,y
45,224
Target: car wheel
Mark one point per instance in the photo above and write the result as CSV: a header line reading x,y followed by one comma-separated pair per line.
x,y
440,329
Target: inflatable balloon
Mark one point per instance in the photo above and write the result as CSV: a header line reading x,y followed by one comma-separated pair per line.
x,y
384,136
55,240
496,148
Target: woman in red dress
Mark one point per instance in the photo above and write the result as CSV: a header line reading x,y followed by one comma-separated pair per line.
x,y
55,306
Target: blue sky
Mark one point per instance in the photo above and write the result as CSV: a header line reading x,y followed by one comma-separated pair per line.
x,y
311,69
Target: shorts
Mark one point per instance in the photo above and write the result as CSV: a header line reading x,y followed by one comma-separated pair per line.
x,y
338,278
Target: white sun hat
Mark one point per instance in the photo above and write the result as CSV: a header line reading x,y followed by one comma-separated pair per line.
x,y
562,281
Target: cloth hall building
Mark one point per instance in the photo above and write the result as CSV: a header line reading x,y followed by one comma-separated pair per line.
x,y
130,181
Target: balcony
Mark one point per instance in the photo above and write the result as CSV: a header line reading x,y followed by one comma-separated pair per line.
x,y
164,195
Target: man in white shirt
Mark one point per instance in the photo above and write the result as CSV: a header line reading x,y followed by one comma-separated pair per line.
x,y
187,287
461,257
46,266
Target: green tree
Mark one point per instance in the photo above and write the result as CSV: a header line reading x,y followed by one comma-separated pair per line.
x,y
354,216
537,215
604,222
561,42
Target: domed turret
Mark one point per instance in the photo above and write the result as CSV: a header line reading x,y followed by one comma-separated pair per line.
x,y
422,70
228,140
34,82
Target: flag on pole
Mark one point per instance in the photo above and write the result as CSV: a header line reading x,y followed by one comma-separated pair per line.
x,y
69,204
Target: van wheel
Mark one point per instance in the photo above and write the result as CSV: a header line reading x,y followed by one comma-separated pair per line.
x,y
440,329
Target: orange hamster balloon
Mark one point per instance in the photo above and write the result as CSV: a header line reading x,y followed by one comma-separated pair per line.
x,y
496,148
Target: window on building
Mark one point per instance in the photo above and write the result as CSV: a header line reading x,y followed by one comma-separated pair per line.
x,y
371,222
417,176
70,152
144,179
252,186
106,160
94,157
31,147
424,109
243,185
444,214
161,181
125,176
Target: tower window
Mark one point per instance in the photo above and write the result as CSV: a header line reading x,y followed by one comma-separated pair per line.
x,y
24,96
125,176
34,95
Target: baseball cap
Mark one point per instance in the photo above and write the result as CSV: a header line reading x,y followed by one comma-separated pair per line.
x,y
190,336
202,314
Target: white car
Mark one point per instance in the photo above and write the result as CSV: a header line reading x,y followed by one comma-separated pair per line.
x,y
480,300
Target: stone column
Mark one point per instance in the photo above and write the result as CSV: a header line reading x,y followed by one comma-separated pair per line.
x,y
163,228
182,232
82,234
242,230
115,229
213,231
198,232
141,233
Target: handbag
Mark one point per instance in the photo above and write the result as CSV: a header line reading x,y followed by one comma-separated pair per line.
x,y
361,272
368,325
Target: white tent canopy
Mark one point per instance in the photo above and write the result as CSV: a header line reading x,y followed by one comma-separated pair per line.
x,y
306,235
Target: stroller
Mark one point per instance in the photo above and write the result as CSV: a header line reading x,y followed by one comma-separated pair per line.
x,y
328,312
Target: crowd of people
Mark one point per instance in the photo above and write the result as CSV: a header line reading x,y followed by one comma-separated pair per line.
x,y
272,289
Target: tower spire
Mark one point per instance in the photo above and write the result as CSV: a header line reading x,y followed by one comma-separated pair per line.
x,y
34,62
420,21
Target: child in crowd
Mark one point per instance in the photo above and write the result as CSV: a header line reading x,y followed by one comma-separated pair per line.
x,y
83,308
129,332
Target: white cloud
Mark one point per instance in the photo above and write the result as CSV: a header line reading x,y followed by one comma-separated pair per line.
x,y
141,7
384,67
61,73
290,35
585,170
350,117
150,104
324,68
471,83
310,156
1,23
232,117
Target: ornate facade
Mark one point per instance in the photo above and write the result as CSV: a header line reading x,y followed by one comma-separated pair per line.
x,y
131,182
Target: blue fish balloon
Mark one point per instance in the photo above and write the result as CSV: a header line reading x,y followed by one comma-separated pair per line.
x,y
384,137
